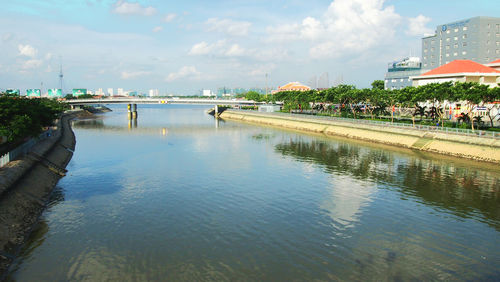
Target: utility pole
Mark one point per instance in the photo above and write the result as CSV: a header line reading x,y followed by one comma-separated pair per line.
x,y
266,85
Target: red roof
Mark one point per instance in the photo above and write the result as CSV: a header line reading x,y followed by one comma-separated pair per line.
x,y
461,66
495,62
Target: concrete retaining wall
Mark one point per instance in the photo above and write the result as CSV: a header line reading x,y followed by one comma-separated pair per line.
x,y
477,148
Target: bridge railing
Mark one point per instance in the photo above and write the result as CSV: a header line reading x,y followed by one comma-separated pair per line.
x,y
446,130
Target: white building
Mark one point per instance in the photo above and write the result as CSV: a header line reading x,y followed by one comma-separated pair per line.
x,y
207,93
154,93
99,92
120,92
462,71
110,92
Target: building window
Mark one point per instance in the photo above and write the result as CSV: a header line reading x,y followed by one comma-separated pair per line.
x,y
489,25
464,36
433,41
447,55
448,39
432,56
447,47
464,44
456,45
393,80
448,31
465,28
455,30
425,57
432,64
464,52
401,80
425,50
497,51
498,35
425,65
432,49
455,54
498,43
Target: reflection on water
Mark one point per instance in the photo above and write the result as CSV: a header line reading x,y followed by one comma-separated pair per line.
x,y
185,197
462,189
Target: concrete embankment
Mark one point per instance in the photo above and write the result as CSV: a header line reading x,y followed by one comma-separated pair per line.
x,y
471,147
26,185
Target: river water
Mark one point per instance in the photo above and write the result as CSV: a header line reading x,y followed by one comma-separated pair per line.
x,y
178,196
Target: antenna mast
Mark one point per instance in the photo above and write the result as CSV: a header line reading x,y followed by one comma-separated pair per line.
x,y
61,76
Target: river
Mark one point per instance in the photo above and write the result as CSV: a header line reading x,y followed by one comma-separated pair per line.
x,y
180,196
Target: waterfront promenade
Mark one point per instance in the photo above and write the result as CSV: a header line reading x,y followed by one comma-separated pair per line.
x,y
466,144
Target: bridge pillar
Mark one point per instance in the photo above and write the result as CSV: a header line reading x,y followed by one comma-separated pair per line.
x,y
216,111
129,113
134,111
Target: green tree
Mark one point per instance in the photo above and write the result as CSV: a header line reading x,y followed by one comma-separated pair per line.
x,y
378,84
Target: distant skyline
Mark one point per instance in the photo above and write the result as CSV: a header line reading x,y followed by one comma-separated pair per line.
x,y
182,47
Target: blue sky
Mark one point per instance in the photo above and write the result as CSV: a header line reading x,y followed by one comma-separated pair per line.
x,y
181,47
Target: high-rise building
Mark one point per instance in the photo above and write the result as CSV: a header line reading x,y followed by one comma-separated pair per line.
x,y
99,92
399,73
313,82
476,39
110,92
120,92
323,81
154,93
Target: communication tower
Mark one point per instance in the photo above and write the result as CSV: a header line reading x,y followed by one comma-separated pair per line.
x,y
61,76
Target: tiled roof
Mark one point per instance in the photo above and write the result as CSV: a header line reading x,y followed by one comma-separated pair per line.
x,y
294,86
495,62
460,66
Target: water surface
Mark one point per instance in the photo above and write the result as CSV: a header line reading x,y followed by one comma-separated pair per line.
x,y
179,196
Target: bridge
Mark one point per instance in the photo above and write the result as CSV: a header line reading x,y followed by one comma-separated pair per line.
x,y
175,100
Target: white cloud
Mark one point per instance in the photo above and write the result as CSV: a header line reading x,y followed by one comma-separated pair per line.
x,y
184,72
347,26
157,28
262,70
235,50
7,36
125,8
27,50
133,74
169,17
203,48
417,26
31,64
230,27
48,56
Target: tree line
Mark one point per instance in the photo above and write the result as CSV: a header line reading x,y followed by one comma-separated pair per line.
x,y
434,100
23,117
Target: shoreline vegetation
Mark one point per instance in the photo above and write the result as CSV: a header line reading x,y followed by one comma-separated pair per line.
x,y
22,118
445,104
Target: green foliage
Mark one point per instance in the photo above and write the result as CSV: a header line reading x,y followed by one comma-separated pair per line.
x,y
375,101
378,84
23,117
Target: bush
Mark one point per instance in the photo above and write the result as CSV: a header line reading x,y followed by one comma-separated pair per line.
x,y
22,117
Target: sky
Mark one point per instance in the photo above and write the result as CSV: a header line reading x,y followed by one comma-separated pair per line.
x,y
180,47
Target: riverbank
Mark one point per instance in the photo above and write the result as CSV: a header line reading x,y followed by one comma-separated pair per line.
x,y
26,185
470,147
